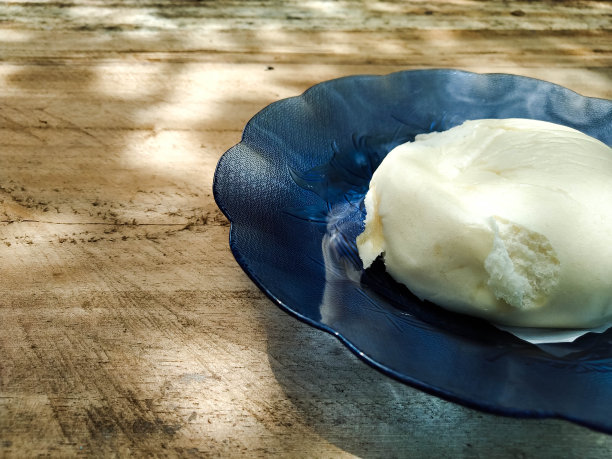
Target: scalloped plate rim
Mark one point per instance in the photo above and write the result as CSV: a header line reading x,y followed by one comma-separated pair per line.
x,y
431,389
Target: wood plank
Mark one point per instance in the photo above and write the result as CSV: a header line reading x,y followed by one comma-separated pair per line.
x,y
399,47
127,328
309,15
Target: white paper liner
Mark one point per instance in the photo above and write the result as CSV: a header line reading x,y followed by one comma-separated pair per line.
x,y
550,335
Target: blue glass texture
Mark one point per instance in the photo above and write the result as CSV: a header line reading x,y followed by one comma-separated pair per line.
x,y
293,191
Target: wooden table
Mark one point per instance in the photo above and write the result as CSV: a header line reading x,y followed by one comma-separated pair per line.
x,y
127,328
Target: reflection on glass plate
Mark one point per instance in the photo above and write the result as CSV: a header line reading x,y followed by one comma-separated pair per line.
x,y
293,190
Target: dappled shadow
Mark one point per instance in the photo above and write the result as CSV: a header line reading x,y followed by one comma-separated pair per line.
x,y
134,88
371,415
112,119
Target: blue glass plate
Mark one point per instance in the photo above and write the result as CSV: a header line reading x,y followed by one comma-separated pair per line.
x,y
293,190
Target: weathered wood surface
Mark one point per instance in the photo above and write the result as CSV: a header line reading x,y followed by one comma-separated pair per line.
x,y
126,327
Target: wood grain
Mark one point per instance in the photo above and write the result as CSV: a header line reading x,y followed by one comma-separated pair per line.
x,y
127,328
